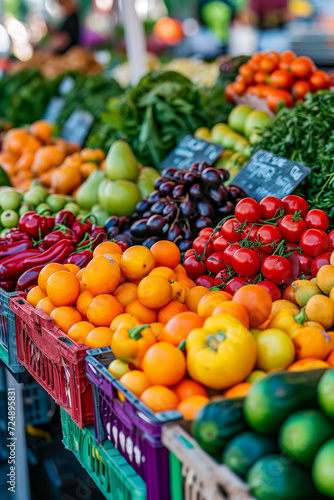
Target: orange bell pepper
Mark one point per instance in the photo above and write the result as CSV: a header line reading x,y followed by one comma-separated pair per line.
x,y
130,345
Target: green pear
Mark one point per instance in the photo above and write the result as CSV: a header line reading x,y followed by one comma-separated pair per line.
x,y
151,173
145,184
87,194
100,214
119,197
203,133
121,162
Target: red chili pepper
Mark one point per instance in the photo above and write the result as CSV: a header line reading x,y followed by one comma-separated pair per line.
x,y
57,253
97,235
7,286
15,247
65,217
80,259
36,225
3,241
56,236
29,278
15,234
13,266
42,247
80,228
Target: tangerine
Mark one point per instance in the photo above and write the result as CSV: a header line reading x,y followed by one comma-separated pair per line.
x,y
126,293
62,288
155,291
235,309
164,364
46,272
124,320
72,268
159,398
35,295
187,388
136,381
65,317
170,310
208,303
238,391
191,406
143,313
82,303
79,331
166,253
312,343
137,262
103,309
178,328
46,305
194,295
102,275
99,337
107,247
166,272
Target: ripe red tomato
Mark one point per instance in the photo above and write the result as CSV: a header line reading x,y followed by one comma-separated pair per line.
x,y
260,77
254,61
292,227
207,231
268,235
251,231
220,244
194,267
270,207
230,92
302,67
229,252
222,277
317,219
246,262
269,63
203,242
273,289
247,73
277,269
205,280
293,203
314,242
320,80
215,262
305,262
281,79
276,97
228,231
286,58
323,259
189,252
331,241
234,284
247,210
300,89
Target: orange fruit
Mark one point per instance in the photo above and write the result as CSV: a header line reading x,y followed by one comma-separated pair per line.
x,y
143,313
103,309
82,303
136,381
238,391
308,364
330,359
46,272
209,302
155,291
185,281
164,364
124,320
99,337
312,343
101,275
79,274
166,272
179,291
166,253
194,295
114,256
32,145
15,140
65,317
72,268
42,130
170,310
157,328
187,388
62,288
35,295
235,309
179,269
190,407
126,293
159,398
178,328
137,262
46,305
79,331
107,247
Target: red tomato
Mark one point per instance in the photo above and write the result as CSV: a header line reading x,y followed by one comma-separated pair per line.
x,y
246,262
323,259
305,262
302,67
234,284
320,80
281,79
260,90
260,77
293,203
247,73
268,63
276,97
273,289
189,252
331,241
220,244
239,87
268,235
229,92
215,262
228,231
207,231
202,243
254,61
222,277
205,280
270,207
314,242
286,58
292,227
251,231
300,89
317,219
277,269
194,267
247,210
229,252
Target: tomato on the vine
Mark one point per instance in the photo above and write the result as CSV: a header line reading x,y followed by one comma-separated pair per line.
x,y
247,210
229,252
215,262
305,262
277,269
282,79
246,262
317,219
189,253
300,89
314,242
228,231
319,261
203,242
331,241
222,277
194,267
293,203
220,244
207,231
320,80
292,227
205,280
234,284
272,288
269,235
270,207
250,231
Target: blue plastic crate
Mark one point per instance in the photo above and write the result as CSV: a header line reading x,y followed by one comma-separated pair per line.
x,y
8,348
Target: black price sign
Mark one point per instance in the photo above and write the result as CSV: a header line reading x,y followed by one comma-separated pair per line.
x,y
53,109
267,174
77,127
191,150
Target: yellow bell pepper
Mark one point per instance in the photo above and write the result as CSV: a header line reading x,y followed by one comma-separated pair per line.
x,y
284,320
130,345
222,353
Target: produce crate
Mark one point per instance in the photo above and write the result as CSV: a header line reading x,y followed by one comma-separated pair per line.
x,y
8,349
194,475
131,426
109,470
54,360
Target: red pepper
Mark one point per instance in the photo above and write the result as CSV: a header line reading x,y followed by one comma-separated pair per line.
x,y
123,245
79,229
47,225
56,236
36,225
42,247
13,266
15,234
8,286
29,278
80,259
57,253
15,247
65,217
97,235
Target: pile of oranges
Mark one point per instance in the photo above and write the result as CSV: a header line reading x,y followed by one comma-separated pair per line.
x,y
31,153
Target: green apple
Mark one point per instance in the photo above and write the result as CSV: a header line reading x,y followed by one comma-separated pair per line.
x,y
4,232
72,207
9,219
119,197
10,200
25,208
100,214
43,209
145,185
56,202
33,197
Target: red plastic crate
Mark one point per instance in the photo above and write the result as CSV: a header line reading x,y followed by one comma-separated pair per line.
x,y
54,360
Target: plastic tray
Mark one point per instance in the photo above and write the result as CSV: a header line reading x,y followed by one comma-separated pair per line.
x,y
109,470
131,426
194,475
54,360
8,349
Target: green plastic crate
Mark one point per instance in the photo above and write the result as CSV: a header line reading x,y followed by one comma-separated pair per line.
x,y
109,470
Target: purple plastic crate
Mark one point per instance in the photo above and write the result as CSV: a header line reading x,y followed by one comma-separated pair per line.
x,y
131,426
